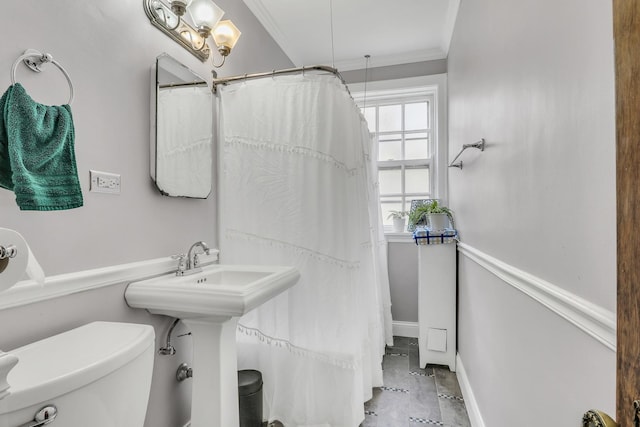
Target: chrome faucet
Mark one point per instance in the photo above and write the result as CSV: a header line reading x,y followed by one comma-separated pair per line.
x,y
192,256
189,264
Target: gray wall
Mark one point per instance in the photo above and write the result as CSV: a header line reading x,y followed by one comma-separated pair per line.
x,y
108,48
401,71
535,78
403,281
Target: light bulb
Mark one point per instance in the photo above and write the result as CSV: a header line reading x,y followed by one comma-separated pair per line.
x,y
226,35
205,15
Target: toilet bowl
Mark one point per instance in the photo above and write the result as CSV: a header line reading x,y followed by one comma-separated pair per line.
x,y
96,375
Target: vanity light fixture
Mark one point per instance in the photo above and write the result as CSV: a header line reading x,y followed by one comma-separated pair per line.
x,y
225,34
205,15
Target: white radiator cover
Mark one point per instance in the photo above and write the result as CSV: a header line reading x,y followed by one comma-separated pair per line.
x,y
437,304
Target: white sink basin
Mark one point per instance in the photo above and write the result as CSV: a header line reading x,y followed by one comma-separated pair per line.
x,y
218,290
209,304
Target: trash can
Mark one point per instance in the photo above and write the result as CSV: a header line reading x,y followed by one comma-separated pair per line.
x,y
250,398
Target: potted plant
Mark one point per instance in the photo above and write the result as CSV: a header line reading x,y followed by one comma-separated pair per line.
x,y
399,219
436,217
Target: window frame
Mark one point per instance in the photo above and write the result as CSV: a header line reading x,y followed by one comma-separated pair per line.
x,y
405,164
405,91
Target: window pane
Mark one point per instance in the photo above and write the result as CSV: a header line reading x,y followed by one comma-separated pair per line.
x,y
390,117
388,206
416,149
370,115
417,180
390,181
390,150
416,116
390,147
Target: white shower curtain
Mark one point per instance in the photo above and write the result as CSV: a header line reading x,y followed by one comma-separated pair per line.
x,y
298,187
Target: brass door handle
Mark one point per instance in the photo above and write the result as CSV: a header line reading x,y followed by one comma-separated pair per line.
x,y
595,418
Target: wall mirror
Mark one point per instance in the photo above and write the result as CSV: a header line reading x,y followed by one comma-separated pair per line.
x,y
181,130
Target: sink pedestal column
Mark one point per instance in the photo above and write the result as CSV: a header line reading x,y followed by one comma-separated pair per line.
x,y
215,372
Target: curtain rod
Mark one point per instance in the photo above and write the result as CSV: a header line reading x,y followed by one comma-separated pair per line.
x,y
225,80
164,86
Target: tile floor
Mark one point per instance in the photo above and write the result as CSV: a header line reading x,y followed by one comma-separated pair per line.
x,y
412,396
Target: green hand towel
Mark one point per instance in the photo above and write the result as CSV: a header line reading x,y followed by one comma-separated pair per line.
x,y
37,154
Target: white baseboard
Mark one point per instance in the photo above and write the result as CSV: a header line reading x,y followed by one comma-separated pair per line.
x,y
405,329
473,410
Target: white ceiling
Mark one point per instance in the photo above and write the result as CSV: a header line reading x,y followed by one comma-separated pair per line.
x,y
398,32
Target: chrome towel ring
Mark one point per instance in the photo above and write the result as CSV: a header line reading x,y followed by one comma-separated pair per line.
x,y
35,60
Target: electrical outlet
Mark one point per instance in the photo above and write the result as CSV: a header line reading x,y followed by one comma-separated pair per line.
x,y
104,182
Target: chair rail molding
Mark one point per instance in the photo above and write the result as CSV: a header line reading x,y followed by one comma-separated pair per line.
x,y
29,292
591,318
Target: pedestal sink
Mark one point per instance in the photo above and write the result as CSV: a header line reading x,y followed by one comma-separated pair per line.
x,y
210,303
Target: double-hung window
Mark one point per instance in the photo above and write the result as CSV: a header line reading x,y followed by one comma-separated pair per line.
x,y
403,129
408,124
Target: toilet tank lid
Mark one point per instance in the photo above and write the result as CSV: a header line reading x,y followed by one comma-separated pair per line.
x,y
68,361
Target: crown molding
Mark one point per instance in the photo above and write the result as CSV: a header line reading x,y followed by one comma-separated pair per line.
x,y
389,60
262,14
449,25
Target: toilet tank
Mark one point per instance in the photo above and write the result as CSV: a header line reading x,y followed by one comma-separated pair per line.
x,y
96,375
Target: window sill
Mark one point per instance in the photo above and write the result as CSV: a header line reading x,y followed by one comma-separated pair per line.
x,y
405,237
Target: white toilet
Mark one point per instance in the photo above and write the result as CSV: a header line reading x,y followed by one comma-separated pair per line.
x,y
96,375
